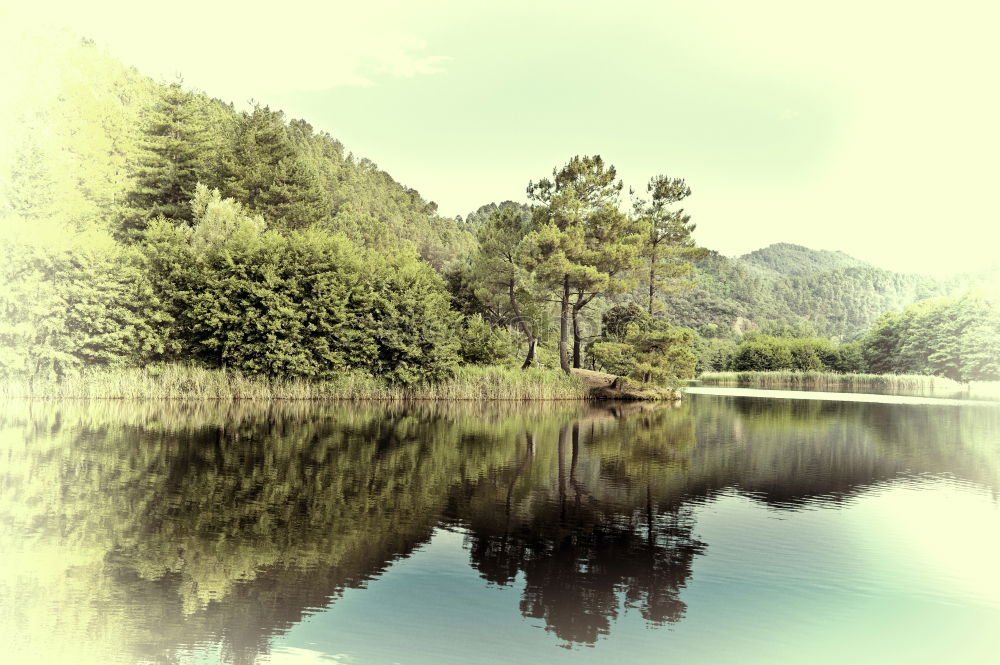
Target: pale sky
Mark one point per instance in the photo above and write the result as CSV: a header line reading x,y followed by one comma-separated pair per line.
x,y
863,125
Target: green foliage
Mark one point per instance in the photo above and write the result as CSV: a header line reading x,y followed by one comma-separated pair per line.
x,y
892,384
954,337
61,309
796,260
764,354
803,354
664,355
617,321
649,351
267,173
298,304
177,381
580,241
172,161
614,357
668,251
819,293
714,354
483,344
847,359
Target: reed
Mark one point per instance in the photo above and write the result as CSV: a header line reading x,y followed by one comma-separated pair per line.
x,y
830,379
936,386
182,381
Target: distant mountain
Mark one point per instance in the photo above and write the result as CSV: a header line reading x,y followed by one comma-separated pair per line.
x,y
796,260
794,287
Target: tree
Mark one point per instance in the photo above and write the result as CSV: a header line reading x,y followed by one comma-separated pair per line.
x,y
266,173
958,338
482,344
63,309
581,240
664,354
298,303
766,354
171,164
617,320
500,268
668,249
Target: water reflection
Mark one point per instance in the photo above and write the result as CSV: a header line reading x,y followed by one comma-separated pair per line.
x,y
140,533
586,523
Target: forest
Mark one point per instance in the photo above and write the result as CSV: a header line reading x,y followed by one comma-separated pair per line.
x,y
146,224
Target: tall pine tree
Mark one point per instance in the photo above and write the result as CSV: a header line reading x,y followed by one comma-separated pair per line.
x,y
668,249
582,241
267,174
171,164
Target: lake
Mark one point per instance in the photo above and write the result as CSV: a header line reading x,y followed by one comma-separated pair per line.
x,y
734,527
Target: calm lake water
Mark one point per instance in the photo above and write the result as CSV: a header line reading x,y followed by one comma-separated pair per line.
x,y
732,528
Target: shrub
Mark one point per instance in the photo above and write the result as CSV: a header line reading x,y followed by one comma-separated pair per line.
x,y
764,354
613,357
482,344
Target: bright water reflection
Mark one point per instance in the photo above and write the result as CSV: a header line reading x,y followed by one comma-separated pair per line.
x,y
727,529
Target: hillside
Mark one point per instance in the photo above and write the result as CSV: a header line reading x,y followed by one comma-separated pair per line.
x,y
787,285
796,260
95,146
147,223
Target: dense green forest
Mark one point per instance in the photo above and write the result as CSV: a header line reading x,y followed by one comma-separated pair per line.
x,y
794,288
146,223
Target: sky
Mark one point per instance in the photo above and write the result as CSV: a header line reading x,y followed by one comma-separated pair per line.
x,y
867,126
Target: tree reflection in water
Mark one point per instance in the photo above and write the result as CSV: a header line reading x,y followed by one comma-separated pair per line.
x,y
589,529
154,528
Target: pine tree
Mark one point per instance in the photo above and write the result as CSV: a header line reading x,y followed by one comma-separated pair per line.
x,y
582,241
172,162
266,173
499,268
668,249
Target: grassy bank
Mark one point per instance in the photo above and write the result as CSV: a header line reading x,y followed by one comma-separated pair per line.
x,y
936,386
190,382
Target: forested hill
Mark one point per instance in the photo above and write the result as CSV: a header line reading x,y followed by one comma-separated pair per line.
x,y
796,260
95,146
800,290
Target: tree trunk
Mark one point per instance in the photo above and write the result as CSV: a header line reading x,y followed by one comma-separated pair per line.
x,y
564,327
529,360
576,339
561,452
652,282
525,326
581,302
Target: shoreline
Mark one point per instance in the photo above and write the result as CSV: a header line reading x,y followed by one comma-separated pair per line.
x,y
918,385
469,383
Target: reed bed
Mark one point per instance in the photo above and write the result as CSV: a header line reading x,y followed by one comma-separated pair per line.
x,y
179,381
831,380
929,386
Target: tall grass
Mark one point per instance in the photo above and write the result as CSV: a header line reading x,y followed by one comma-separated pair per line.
x,y
930,386
179,381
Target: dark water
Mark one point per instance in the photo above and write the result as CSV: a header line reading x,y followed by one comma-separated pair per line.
x,y
729,529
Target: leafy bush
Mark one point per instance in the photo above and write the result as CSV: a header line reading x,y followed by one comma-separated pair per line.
x,y
654,352
664,355
613,357
299,304
61,309
618,320
765,354
482,344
